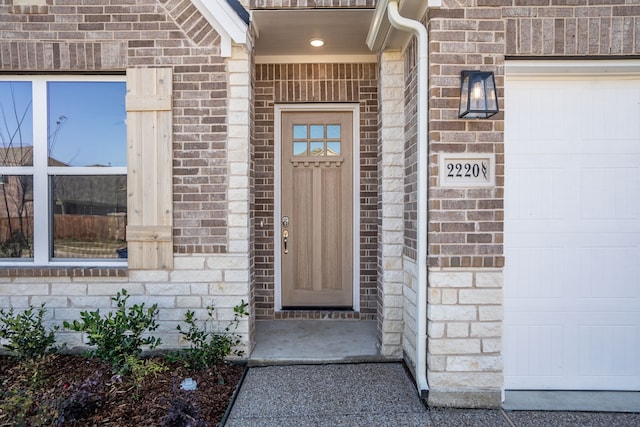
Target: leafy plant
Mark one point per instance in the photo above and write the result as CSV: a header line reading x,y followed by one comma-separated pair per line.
x,y
84,400
182,413
139,369
208,348
25,335
118,334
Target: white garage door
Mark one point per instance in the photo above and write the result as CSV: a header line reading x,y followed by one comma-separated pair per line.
x,y
572,233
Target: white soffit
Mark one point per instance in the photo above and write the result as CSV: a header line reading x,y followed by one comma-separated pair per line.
x,y
225,21
284,35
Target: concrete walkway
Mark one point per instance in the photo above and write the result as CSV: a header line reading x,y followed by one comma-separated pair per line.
x,y
373,394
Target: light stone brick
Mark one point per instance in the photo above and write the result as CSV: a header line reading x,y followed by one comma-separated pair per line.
x,y
199,288
491,345
435,329
435,296
486,329
70,314
490,312
452,312
49,301
228,263
238,220
457,330
161,301
238,233
450,279
454,346
449,296
241,276
238,246
90,302
188,276
24,289
489,280
465,380
189,302
393,313
18,302
229,288
474,363
111,289
392,326
391,339
68,289
174,289
223,301
480,296
157,275
436,363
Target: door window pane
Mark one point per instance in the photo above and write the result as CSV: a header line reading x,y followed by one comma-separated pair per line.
x,y
333,148
86,123
317,131
89,216
317,149
300,131
16,216
299,148
16,124
333,131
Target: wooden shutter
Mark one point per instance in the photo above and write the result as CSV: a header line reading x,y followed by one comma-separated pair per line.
x,y
149,178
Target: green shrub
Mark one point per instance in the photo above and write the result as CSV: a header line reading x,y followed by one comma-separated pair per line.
x,y
208,348
26,336
118,334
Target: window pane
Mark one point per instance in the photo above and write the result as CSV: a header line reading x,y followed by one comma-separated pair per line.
x,y
299,148
333,148
300,131
16,124
317,148
87,124
89,216
333,131
16,216
317,131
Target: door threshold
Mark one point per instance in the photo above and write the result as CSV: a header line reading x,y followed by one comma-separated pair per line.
x,y
321,314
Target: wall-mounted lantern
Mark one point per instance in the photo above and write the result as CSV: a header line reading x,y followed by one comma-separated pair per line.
x,y
478,99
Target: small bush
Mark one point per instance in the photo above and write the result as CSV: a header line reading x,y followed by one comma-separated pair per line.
x,y
118,334
182,413
26,336
208,348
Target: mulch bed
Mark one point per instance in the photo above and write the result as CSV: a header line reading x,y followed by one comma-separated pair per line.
x,y
72,390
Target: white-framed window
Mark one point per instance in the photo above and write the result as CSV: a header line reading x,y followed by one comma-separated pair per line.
x,y
63,170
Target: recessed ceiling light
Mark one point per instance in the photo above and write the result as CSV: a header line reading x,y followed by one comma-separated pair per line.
x,y
316,42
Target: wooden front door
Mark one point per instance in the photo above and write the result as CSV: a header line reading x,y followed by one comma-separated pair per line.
x,y
317,198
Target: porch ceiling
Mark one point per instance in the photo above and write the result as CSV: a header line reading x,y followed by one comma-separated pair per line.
x,y
283,35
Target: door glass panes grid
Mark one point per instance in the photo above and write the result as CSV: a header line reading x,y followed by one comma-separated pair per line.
x,y
316,140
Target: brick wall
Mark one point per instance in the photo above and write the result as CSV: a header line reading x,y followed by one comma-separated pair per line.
x,y
466,224
104,36
315,83
211,154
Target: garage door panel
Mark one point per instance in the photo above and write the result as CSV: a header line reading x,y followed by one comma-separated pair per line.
x,y
572,234
607,350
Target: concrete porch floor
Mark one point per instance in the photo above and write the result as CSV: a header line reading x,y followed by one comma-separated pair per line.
x,y
281,342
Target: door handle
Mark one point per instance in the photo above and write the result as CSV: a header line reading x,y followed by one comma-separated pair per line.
x,y
285,238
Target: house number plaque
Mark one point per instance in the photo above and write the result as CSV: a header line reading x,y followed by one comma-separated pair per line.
x,y
467,170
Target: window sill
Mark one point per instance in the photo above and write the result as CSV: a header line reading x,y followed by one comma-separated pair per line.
x,y
64,272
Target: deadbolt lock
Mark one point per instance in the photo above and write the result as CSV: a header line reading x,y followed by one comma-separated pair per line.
x,y
285,221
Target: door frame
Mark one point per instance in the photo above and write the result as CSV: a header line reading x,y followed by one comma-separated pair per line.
x,y
279,110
